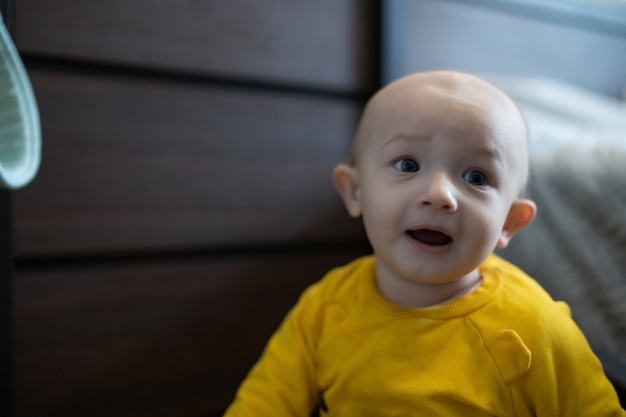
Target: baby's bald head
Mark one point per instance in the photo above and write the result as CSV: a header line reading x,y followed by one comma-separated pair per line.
x,y
442,100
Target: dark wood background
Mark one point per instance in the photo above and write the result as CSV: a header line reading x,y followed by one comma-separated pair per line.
x,y
184,198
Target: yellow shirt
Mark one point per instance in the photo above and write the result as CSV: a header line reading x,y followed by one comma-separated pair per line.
x,y
506,349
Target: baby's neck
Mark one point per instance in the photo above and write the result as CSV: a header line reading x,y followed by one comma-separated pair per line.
x,y
419,295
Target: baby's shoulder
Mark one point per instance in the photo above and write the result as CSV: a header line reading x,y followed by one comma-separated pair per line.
x,y
521,299
523,324
326,305
342,283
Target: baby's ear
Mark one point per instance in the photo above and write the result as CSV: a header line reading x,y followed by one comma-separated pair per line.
x,y
521,214
346,180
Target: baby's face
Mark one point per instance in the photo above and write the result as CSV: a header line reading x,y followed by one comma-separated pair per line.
x,y
439,163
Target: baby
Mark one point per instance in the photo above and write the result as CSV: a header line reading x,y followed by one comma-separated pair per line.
x,y
432,324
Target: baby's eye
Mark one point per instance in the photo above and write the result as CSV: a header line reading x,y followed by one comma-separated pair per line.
x,y
407,165
475,178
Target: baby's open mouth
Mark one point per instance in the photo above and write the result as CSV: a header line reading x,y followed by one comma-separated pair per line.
x,y
430,237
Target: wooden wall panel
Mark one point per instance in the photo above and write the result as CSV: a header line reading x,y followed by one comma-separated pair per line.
x,y
6,300
324,43
138,164
184,198
158,338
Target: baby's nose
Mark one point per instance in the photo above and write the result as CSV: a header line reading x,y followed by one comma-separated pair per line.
x,y
439,194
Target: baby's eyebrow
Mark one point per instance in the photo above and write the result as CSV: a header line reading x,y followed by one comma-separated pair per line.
x,y
489,150
402,138
492,152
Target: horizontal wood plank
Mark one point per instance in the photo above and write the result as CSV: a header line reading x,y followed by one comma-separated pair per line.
x,y
143,164
161,338
324,43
